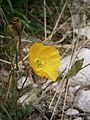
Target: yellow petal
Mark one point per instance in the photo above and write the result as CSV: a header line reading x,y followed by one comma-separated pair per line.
x,y
52,75
48,51
53,63
46,73
51,71
49,55
35,50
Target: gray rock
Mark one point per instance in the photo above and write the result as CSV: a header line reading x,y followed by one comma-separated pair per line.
x,y
72,111
82,78
27,80
88,117
73,90
27,98
78,118
76,20
86,1
22,80
83,101
83,31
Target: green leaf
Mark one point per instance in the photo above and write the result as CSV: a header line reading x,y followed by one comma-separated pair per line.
x,y
2,116
1,1
10,5
20,113
3,91
29,108
32,26
75,68
26,22
2,31
6,111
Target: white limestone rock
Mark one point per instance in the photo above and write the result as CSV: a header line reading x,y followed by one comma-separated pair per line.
x,y
83,31
73,90
27,98
71,112
22,80
83,76
83,101
26,81
88,117
78,118
86,1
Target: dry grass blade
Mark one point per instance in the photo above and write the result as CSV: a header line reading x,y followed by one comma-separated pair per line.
x,y
59,90
57,22
4,61
45,24
56,25
66,90
3,16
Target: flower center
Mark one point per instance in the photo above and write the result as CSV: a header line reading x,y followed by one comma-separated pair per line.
x,y
40,63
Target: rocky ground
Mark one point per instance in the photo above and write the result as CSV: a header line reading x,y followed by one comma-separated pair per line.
x,y
67,98
59,101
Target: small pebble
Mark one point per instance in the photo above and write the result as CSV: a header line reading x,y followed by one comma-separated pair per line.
x,y
72,111
78,118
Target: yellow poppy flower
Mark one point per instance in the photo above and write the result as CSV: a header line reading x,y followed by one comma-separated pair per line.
x,y
44,60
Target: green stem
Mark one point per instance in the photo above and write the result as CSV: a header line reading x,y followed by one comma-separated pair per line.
x,y
7,113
